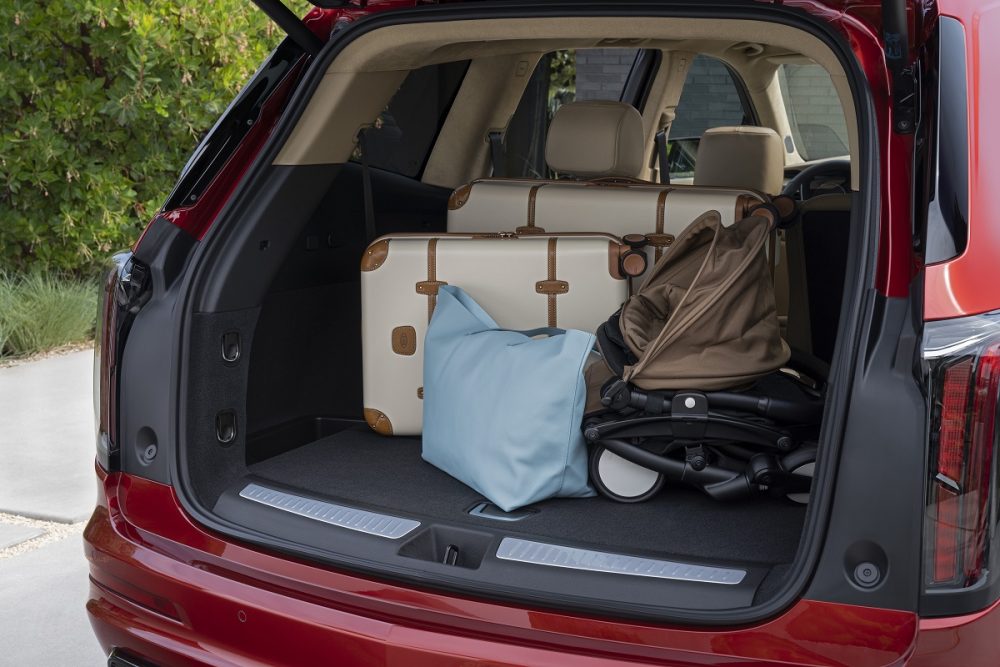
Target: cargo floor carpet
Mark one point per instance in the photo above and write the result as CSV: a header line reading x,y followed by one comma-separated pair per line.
x,y
361,468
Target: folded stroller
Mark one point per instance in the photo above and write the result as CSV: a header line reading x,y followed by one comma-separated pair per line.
x,y
697,386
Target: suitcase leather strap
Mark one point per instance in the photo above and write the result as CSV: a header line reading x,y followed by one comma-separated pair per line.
x,y
530,228
661,207
431,286
552,287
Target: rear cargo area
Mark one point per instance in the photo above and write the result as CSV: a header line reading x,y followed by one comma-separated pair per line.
x,y
356,470
276,448
311,475
364,469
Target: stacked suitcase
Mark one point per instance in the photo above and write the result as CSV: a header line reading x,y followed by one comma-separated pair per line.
x,y
538,274
570,281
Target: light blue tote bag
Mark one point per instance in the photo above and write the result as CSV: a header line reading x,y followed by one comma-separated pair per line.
x,y
502,410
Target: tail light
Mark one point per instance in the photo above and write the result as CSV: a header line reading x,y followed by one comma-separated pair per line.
x,y
963,364
123,292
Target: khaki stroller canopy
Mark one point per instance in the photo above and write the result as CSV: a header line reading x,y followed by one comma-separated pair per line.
x,y
705,317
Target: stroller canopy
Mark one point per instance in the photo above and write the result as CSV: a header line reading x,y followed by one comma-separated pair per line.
x,y
705,317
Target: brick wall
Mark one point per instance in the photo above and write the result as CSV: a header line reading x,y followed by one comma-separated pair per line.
x,y
817,118
601,73
708,99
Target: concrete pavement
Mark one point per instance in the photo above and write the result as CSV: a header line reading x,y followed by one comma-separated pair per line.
x,y
47,489
12,534
42,615
47,438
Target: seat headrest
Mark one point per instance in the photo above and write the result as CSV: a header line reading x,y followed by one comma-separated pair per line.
x,y
741,157
595,138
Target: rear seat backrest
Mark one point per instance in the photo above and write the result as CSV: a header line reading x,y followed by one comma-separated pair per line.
x,y
741,156
592,140
595,139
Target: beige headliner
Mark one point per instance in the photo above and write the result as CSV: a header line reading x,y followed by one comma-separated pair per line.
x,y
360,81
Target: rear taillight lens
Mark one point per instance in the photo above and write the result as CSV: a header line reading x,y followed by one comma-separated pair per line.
x,y
104,367
125,289
963,369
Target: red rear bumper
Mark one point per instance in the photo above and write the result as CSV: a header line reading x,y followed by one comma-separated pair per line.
x,y
166,590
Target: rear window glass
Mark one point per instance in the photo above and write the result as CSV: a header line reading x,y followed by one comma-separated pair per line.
x,y
405,131
948,210
815,114
710,98
560,77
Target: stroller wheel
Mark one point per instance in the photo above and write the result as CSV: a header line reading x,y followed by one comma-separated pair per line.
x,y
802,463
619,479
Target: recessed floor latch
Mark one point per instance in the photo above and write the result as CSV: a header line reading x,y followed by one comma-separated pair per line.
x,y
450,555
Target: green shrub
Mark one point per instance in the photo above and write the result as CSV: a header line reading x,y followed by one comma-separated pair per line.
x,y
5,326
101,102
42,312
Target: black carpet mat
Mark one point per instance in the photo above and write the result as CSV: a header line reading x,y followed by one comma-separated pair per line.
x,y
361,467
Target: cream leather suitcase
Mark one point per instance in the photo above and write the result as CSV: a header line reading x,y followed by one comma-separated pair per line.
x,y
523,281
659,212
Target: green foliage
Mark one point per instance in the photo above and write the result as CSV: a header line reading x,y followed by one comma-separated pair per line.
x,y
562,78
41,312
101,102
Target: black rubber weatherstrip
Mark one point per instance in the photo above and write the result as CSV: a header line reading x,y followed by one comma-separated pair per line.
x,y
844,361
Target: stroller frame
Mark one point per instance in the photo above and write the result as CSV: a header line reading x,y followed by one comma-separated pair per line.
x,y
729,456
752,426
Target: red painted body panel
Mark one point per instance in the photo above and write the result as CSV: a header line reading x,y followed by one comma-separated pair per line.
x,y
972,640
969,284
243,606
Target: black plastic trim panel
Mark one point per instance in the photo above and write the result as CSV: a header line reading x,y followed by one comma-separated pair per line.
x,y
150,365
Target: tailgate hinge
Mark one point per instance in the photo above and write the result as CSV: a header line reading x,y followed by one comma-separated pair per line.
x,y
902,72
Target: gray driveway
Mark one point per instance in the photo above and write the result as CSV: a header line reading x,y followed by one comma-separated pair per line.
x,y
47,438
47,490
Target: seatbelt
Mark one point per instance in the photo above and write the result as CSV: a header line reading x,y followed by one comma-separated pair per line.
x,y
366,186
496,152
661,155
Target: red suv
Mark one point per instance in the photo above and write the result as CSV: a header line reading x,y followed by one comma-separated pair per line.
x,y
247,512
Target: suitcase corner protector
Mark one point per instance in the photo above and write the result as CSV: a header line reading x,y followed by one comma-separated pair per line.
x,y
375,255
378,421
459,197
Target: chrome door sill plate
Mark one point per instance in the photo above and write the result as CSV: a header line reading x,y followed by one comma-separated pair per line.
x,y
554,555
364,521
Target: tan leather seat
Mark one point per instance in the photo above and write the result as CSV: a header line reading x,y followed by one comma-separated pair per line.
x,y
741,157
595,139
599,146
